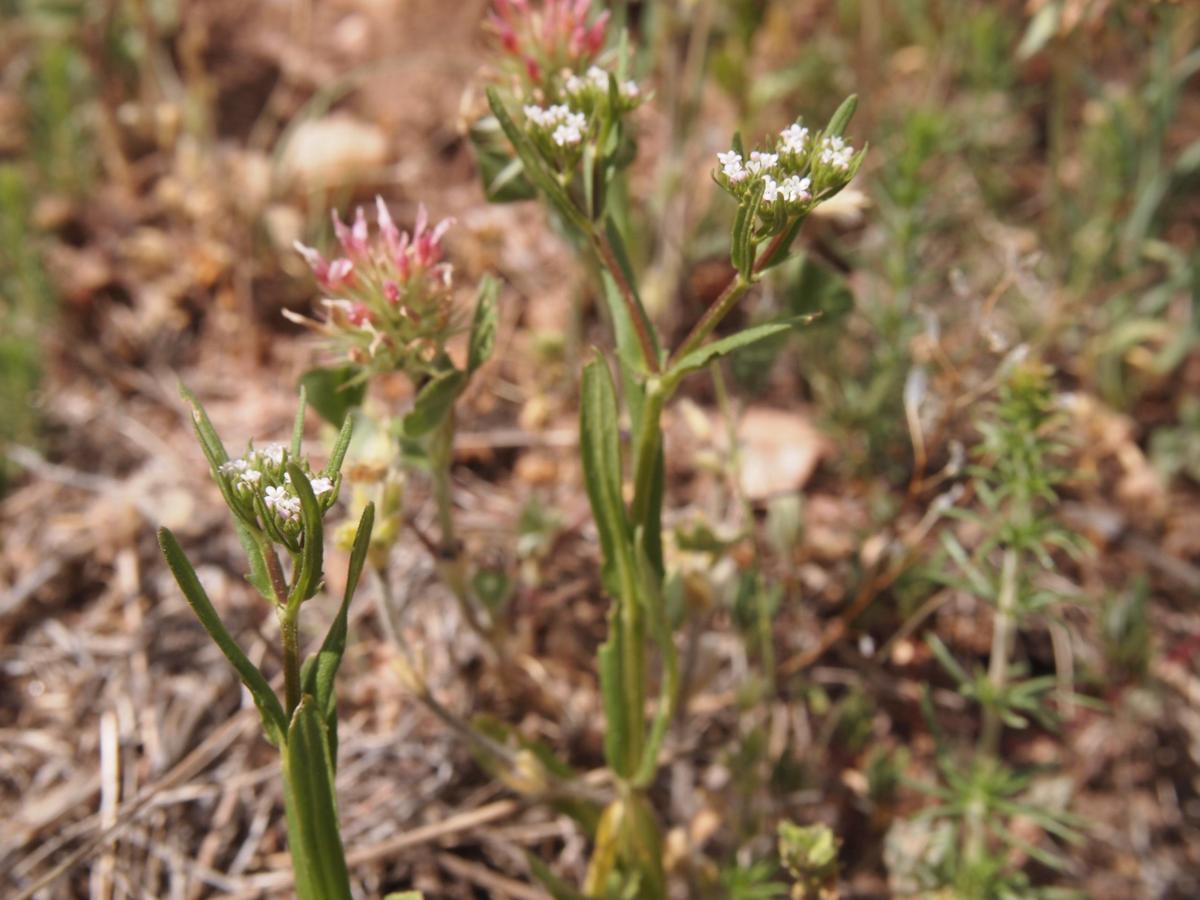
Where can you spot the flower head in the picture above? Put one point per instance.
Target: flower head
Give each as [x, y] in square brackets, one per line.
[544, 38]
[396, 313]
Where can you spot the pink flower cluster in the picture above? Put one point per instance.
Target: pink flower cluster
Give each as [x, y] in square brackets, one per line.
[407, 256]
[554, 36]
[389, 295]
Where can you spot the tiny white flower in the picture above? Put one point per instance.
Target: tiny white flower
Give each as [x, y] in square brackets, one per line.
[288, 508]
[732, 166]
[570, 130]
[250, 477]
[770, 189]
[795, 138]
[598, 77]
[631, 90]
[761, 162]
[574, 85]
[276, 498]
[836, 152]
[233, 467]
[795, 189]
[322, 486]
[273, 453]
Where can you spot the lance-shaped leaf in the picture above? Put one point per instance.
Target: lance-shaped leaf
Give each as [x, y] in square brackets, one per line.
[600, 450]
[483, 324]
[273, 718]
[257, 576]
[434, 402]
[651, 598]
[215, 453]
[612, 688]
[298, 423]
[842, 116]
[315, 842]
[741, 248]
[308, 579]
[321, 669]
[702, 356]
[340, 446]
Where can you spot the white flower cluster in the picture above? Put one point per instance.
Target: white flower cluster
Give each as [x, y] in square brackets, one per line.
[247, 475]
[788, 173]
[283, 504]
[597, 78]
[794, 139]
[565, 126]
[836, 152]
[792, 189]
[732, 166]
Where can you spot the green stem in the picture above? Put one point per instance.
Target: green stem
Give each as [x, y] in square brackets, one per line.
[992, 729]
[649, 442]
[737, 286]
[998, 665]
[637, 315]
[290, 635]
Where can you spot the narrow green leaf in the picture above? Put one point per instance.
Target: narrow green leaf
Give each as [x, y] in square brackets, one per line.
[737, 246]
[308, 580]
[334, 392]
[313, 834]
[434, 402]
[616, 737]
[742, 251]
[257, 576]
[298, 423]
[946, 658]
[322, 668]
[340, 446]
[600, 450]
[274, 720]
[842, 116]
[701, 357]
[210, 442]
[651, 598]
[483, 324]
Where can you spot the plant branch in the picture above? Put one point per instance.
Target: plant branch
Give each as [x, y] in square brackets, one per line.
[637, 315]
[733, 291]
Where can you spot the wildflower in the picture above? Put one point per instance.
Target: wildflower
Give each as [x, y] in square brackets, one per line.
[543, 39]
[795, 189]
[321, 486]
[249, 478]
[770, 190]
[276, 499]
[794, 138]
[761, 162]
[273, 453]
[571, 131]
[403, 302]
[233, 467]
[565, 126]
[732, 166]
[836, 152]
[330, 274]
